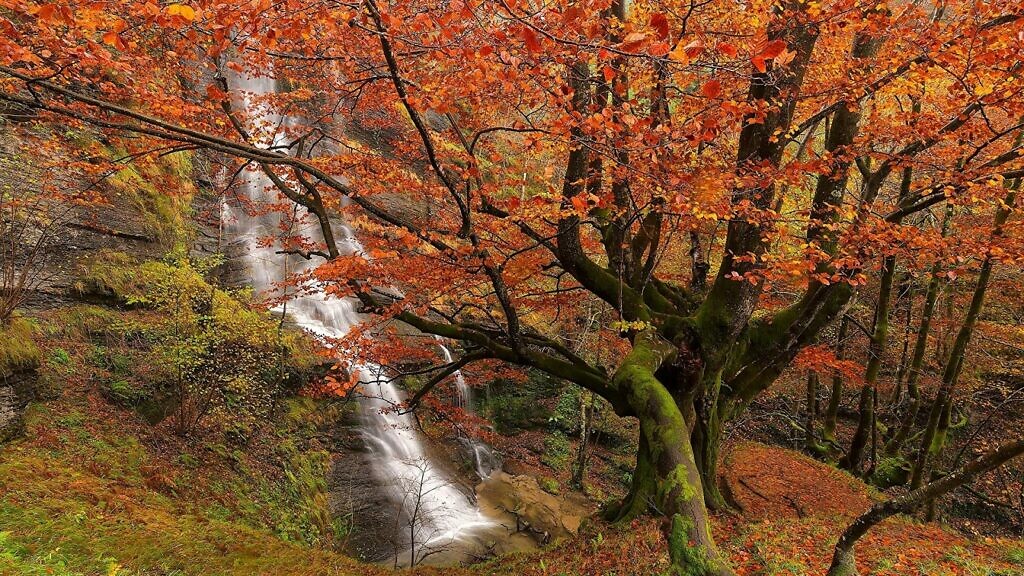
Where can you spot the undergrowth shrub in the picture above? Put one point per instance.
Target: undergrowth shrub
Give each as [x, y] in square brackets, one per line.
[210, 351]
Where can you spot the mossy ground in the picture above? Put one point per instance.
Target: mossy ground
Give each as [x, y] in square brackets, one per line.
[17, 347]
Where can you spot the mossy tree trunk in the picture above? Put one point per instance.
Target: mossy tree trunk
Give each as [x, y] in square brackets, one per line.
[876, 349]
[811, 415]
[934, 436]
[835, 399]
[673, 481]
[895, 444]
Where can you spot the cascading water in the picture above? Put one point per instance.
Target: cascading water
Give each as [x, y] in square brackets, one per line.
[434, 513]
[484, 460]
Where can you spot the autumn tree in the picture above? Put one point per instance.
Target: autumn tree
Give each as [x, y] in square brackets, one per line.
[720, 177]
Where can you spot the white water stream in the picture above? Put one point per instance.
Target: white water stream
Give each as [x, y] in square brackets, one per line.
[437, 514]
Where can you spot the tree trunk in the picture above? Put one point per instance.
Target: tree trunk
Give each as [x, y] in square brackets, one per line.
[892, 448]
[810, 440]
[677, 480]
[828, 430]
[876, 349]
[934, 437]
[706, 439]
[579, 472]
[844, 559]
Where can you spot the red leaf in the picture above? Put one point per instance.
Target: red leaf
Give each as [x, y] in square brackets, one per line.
[693, 49]
[659, 49]
[633, 41]
[660, 24]
[531, 40]
[579, 203]
[608, 72]
[727, 49]
[773, 49]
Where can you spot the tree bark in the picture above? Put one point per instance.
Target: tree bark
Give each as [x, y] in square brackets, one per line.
[895, 444]
[828, 430]
[579, 472]
[810, 438]
[876, 349]
[934, 436]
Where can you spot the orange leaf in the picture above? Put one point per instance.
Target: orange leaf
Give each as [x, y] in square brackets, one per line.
[727, 49]
[633, 41]
[185, 11]
[711, 89]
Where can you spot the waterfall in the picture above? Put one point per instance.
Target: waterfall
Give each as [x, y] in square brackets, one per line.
[484, 460]
[434, 512]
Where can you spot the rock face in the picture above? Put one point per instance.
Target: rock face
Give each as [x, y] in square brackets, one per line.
[544, 514]
[355, 496]
[16, 390]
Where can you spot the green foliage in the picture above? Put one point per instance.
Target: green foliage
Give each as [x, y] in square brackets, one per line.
[566, 416]
[1015, 555]
[18, 351]
[59, 357]
[516, 406]
[214, 352]
[84, 322]
[892, 471]
[557, 451]
[549, 485]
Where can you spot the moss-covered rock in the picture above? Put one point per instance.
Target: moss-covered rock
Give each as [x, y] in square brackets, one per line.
[19, 360]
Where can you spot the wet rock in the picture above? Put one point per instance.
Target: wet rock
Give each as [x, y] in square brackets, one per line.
[544, 514]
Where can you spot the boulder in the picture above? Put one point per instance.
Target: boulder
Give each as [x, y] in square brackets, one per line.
[545, 514]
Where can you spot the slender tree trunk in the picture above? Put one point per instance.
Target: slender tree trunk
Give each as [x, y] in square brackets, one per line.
[828, 431]
[905, 296]
[876, 349]
[934, 436]
[844, 560]
[583, 453]
[895, 444]
[810, 439]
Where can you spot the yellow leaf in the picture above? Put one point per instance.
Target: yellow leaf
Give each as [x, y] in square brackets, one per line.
[183, 10]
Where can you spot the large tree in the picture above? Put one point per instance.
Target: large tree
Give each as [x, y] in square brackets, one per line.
[717, 175]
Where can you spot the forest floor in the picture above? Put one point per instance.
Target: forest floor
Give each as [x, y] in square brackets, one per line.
[94, 490]
[88, 493]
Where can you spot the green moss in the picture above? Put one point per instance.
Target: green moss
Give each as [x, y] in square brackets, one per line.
[688, 559]
[18, 350]
[162, 191]
[549, 485]
[891, 471]
[84, 322]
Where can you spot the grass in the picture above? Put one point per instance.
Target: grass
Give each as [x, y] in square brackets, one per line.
[18, 351]
[103, 503]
